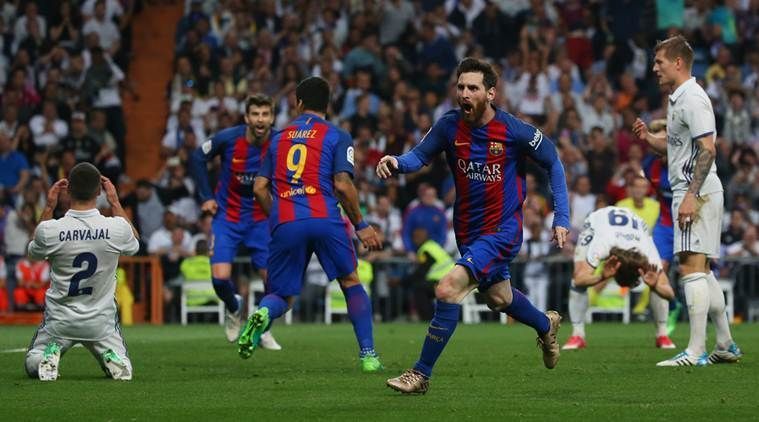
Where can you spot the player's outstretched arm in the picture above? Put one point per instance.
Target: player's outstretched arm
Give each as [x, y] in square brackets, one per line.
[432, 144]
[658, 142]
[544, 152]
[199, 172]
[113, 199]
[262, 192]
[386, 166]
[52, 198]
[346, 193]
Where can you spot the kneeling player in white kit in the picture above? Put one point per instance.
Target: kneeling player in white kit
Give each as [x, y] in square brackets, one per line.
[83, 248]
[615, 244]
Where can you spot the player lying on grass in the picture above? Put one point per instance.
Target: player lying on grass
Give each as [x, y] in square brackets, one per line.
[615, 244]
[83, 248]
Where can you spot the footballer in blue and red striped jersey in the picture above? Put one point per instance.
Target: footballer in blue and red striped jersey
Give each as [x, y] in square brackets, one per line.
[664, 238]
[486, 149]
[307, 172]
[238, 218]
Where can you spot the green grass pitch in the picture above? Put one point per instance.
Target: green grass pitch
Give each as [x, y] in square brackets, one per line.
[488, 371]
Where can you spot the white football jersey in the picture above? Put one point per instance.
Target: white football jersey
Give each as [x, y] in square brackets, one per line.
[689, 116]
[610, 227]
[83, 248]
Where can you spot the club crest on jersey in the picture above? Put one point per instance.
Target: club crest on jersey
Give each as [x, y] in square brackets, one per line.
[495, 148]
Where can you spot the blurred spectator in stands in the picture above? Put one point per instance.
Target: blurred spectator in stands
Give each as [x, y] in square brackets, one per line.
[66, 25]
[101, 24]
[176, 138]
[596, 113]
[735, 228]
[177, 190]
[601, 159]
[428, 214]
[73, 77]
[30, 23]
[737, 125]
[19, 226]
[47, 128]
[14, 168]
[204, 229]
[171, 243]
[397, 15]
[10, 122]
[101, 90]
[33, 279]
[582, 202]
[639, 203]
[744, 177]
[536, 246]
[748, 246]
[389, 222]
[145, 205]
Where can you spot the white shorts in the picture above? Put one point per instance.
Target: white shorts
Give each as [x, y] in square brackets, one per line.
[42, 337]
[703, 234]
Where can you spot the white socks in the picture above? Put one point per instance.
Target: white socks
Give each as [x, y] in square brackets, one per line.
[578, 307]
[696, 289]
[717, 312]
[660, 310]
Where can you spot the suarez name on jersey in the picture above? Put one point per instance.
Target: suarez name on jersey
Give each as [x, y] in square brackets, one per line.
[301, 162]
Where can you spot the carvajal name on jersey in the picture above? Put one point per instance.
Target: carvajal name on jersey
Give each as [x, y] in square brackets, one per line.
[84, 234]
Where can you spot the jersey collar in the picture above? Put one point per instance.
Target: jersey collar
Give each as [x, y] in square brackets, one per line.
[85, 213]
[680, 89]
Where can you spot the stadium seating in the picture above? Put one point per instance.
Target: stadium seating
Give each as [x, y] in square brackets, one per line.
[185, 309]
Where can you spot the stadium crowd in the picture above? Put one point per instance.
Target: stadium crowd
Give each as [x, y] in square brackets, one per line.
[63, 67]
[580, 70]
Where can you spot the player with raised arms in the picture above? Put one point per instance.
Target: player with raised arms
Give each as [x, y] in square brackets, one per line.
[689, 143]
[614, 243]
[237, 217]
[83, 248]
[307, 171]
[486, 149]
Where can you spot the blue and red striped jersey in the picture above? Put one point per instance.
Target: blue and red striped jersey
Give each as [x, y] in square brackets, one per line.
[301, 162]
[240, 162]
[657, 172]
[487, 163]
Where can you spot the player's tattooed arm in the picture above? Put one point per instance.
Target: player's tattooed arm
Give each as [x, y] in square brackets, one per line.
[707, 152]
[262, 192]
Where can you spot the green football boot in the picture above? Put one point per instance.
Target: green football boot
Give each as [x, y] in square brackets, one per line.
[250, 336]
[370, 363]
[47, 369]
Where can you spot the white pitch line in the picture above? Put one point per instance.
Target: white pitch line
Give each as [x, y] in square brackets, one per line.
[13, 350]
